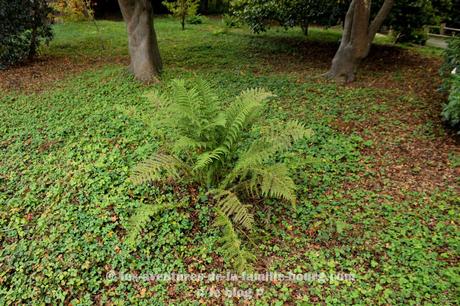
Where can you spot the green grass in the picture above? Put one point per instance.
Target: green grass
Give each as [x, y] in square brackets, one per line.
[66, 153]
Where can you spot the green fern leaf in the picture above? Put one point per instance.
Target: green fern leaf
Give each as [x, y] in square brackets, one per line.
[278, 138]
[158, 167]
[142, 216]
[275, 141]
[206, 159]
[275, 182]
[271, 181]
[231, 245]
[232, 207]
[255, 96]
[246, 106]
[187, 144]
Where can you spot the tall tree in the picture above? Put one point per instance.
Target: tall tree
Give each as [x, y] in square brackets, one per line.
[358, 33]
[146, 62]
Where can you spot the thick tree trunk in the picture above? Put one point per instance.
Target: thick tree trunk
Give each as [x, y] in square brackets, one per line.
[357, 37]
[143, 47]
[344, 65]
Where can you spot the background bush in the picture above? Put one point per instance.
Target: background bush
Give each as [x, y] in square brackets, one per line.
[195, 19]
[73, 10]
[182, 9]
[24, 24]
[230, 21]
[450, 70]
[416, 36]
[451, 58]
[451, 111]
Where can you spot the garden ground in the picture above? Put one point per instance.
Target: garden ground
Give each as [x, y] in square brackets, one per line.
[378, 183]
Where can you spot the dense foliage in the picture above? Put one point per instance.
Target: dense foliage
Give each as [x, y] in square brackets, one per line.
[451, 111]
[453, 17]
[214, 6]
[450, 71]
[258, 14]
[196, 19]
[24, 25]
[73, 10]
[408, 19]
[213, 149]
[451, 58]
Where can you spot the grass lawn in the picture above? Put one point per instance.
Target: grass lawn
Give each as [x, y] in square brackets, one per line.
[377, 183]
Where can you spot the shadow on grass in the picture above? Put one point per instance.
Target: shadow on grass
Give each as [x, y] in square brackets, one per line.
[307, 52]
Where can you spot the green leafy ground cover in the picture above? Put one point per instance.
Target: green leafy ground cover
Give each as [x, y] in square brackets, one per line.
[377, 182]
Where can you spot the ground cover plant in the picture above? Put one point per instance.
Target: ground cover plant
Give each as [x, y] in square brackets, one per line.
[376, 183]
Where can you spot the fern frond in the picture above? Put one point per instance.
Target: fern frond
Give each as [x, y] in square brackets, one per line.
[187, 144]
[142, 216]
[205, 159]
[256, 95]
[237, 123]
[218, 121]
[284, 135]
[158, 167]
[157, 99]
[209, 104]
[232, 249]
[297, 130]
[184, 107]
[232, 207]
[270, 182]
[275, 182]
[195, 112]
[240, 113]
[275, 140]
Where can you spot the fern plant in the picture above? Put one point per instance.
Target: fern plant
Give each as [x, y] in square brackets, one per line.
[212, 148]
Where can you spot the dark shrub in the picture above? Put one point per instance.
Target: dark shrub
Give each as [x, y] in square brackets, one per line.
[24, 24]
[195, 19]
[416, 36]
[451, 58]
[451, 111]
[450, 71]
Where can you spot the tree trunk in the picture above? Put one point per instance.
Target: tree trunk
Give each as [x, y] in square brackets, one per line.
[33, 43]
[33, 35]
[142, 41]
[304, 26]
[357, 37]
[204, 7]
